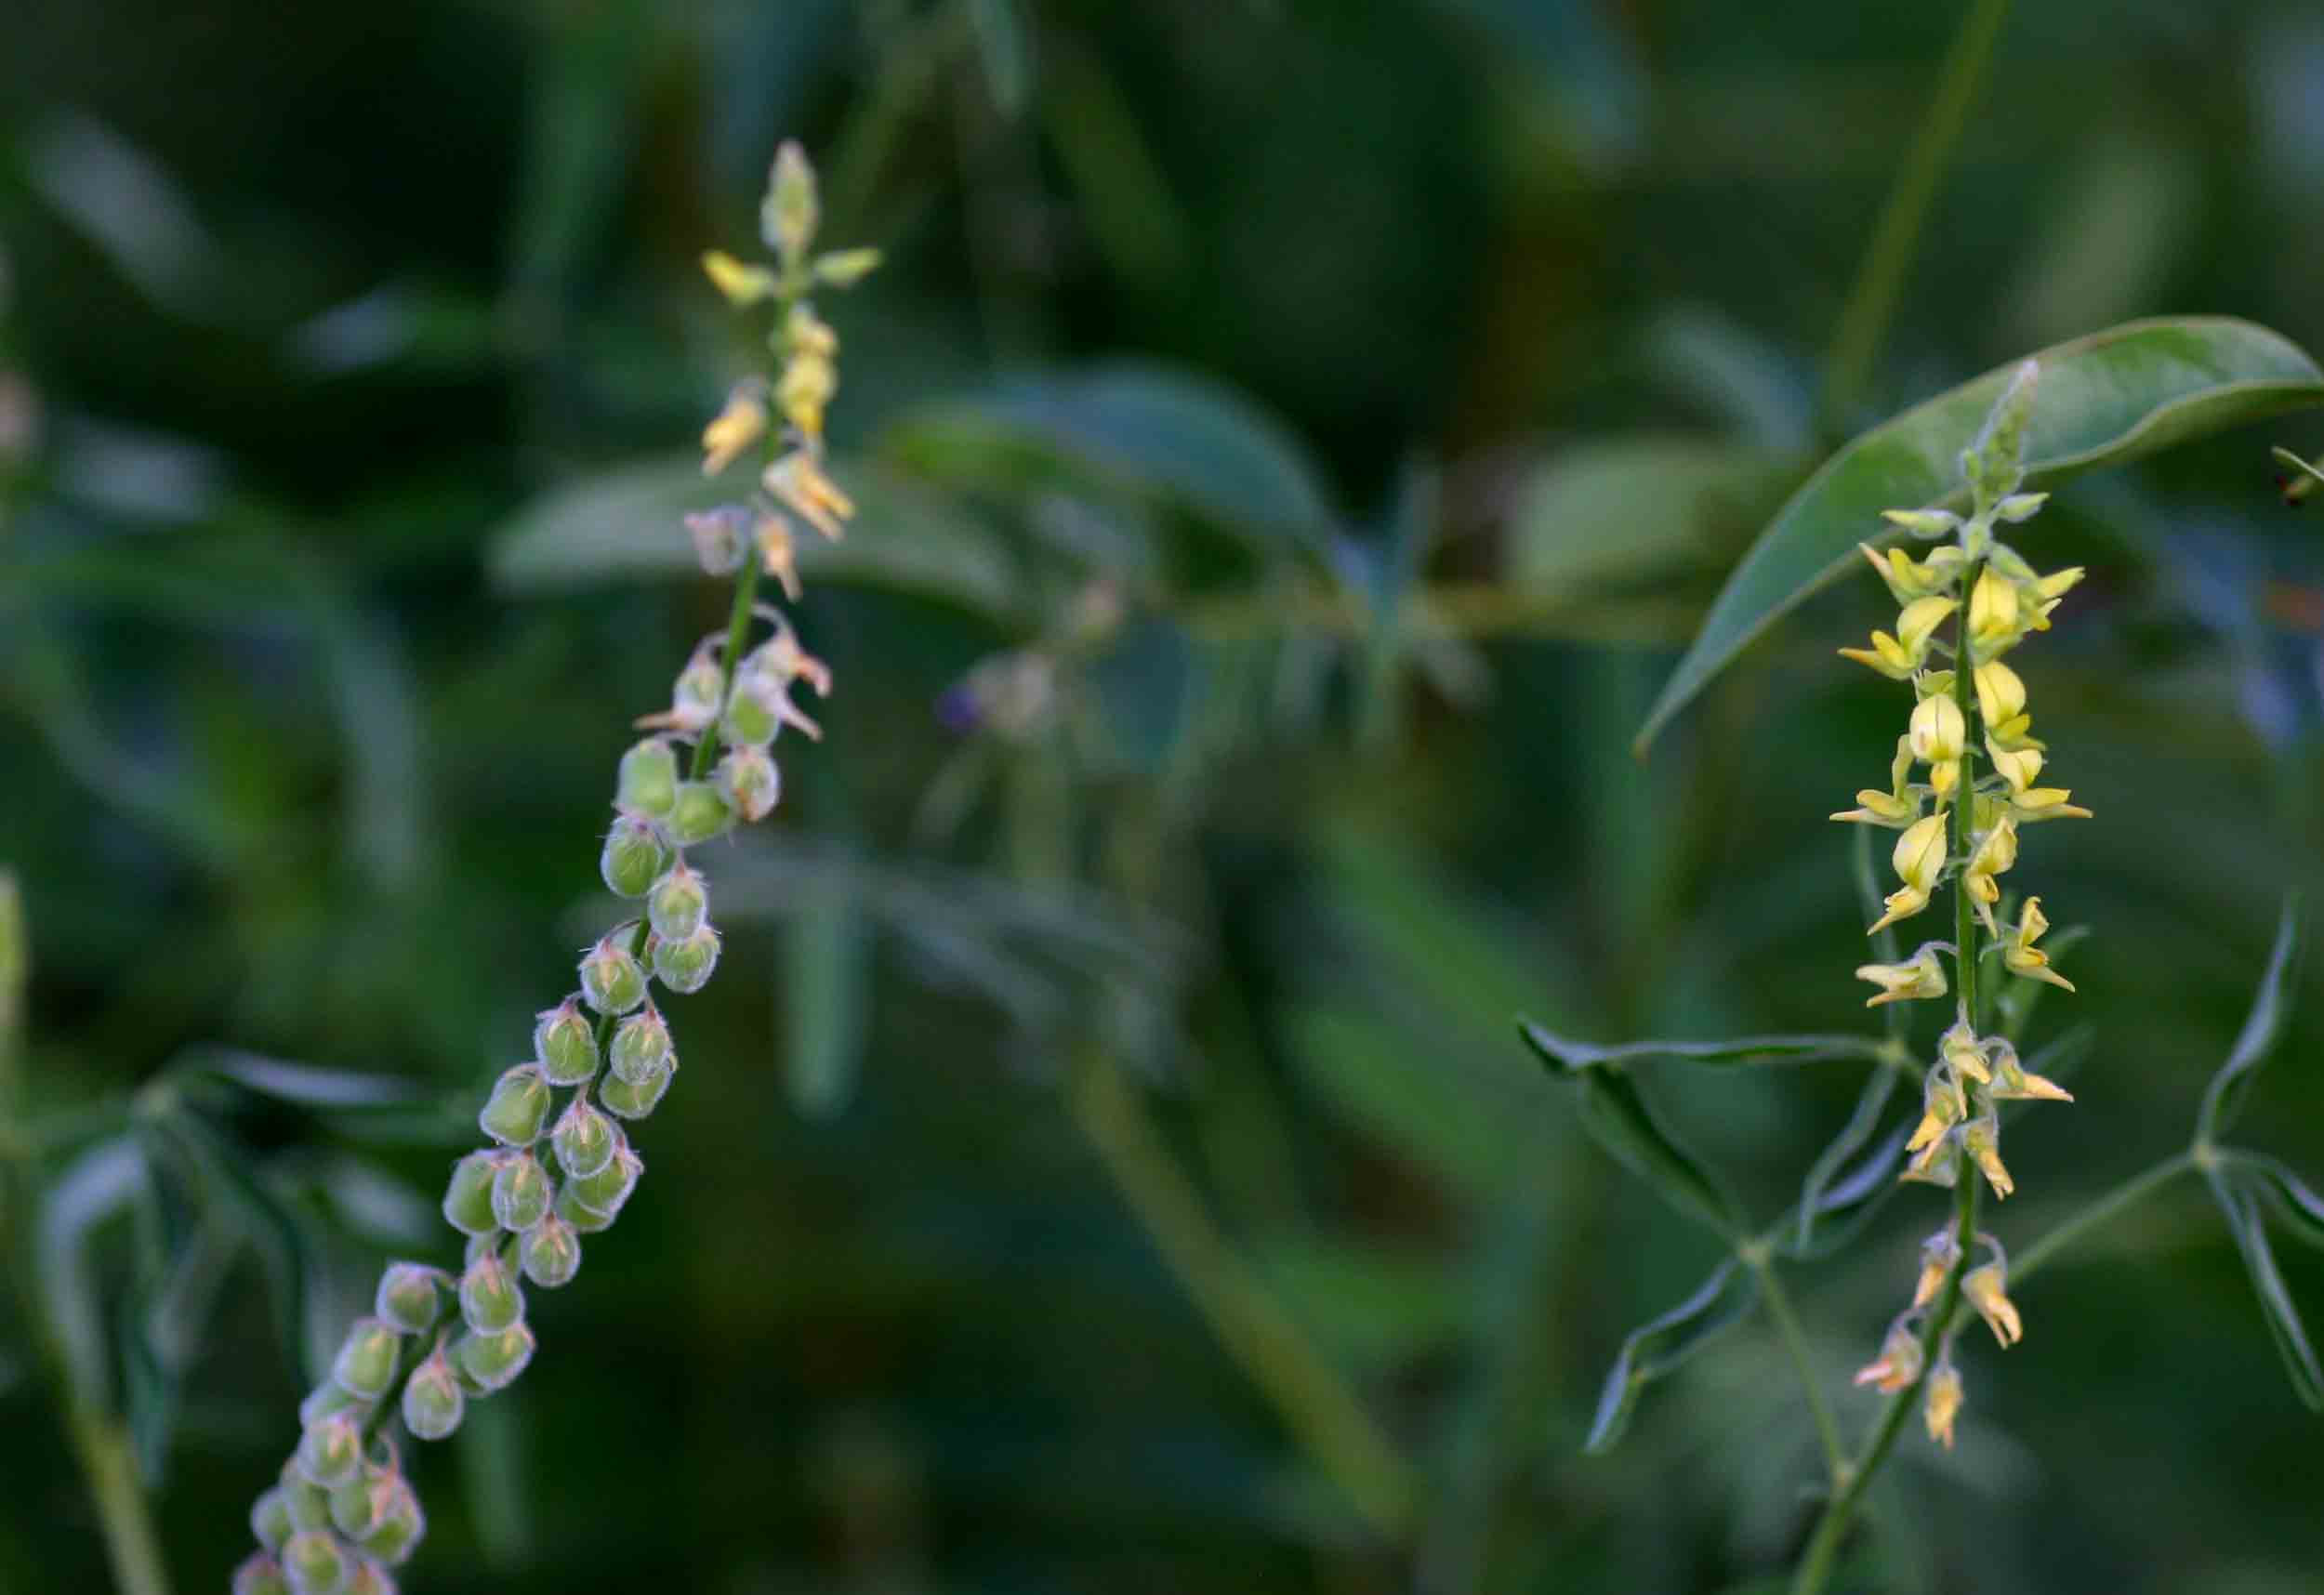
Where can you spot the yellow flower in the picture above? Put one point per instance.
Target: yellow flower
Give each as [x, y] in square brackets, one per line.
[1960, 1047]
[808, 333]
[1907, 579]
[2018, 766]
[1996, 853]
[2037, 803]
[1940, 1111]
[1923, 975]
[797, 482]
[2023, 958]
[2057, 584]
[2000, 696]
[1927, 522]
[1983, 1142]
[2012, 1084]
[1898, 1365]
[1897, 806]
[1937, 731]
[787, 217]
[1919, 858]
[1943, 1404]
[741, 424]
[742, 284]
[1984, 1287]
[1993, 623]
[777, 552]
[809, 379]
[2014, 734]
[1897, 657]
[845, 268]
[1887, 655]
[1938, 1253]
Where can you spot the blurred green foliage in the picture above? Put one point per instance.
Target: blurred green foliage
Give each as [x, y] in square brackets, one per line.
[1404, 377]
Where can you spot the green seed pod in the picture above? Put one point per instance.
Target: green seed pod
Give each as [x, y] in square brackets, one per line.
[564, 1043]
[365, 1365]
[677, 903]
[271, 1518]
[686, 967]
[583, 1139]
[604, 1192]
[747, 778]
[308, 1507]
[492, 1361]
[641, 1048]
[490, 1300]
[694, 696]
[754, 712]
[580, 1218]
[611, 979]
[411, 1296]
[261, 1574]
[635, 1098]
[633, 858]
[432, 1400]
[330, 1451]
[328, 1398]
[648, 778]
[521, 1194]
[550, 1253]
[479, 1246]
[700, 813]
[367, 1577]
[355, 1505]
[315, 1562]
[518, 1107]
[467, 1201]
[398, 1526]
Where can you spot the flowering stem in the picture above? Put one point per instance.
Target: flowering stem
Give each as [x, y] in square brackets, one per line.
[1757, 1255]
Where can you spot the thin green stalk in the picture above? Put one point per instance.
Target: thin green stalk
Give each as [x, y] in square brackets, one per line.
[1758, 1256]
[1873, 299]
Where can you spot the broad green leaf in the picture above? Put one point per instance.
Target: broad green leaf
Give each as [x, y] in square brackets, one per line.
[1570, 1055]
[1618, 1117]
[2104, 400]
[2249, 1230]
[1824, 1179]
[2297, 1204]
[1659, 1345]
[2271, 1009]
[1614, 514]
[628, 525]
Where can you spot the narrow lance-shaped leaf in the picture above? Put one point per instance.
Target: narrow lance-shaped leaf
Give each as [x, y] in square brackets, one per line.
[2103, 400]
[1618, 1117]
[1568, 1056]
[2249, 1230]
[1824, 1175]
[2271, 1008]
[2298, 1206]
[1659, 1345]
[1849, 1200]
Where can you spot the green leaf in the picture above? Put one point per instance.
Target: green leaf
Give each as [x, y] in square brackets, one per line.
[1661, 1345]
[2271, 1008]
[1825, 1192]
[1586, 523]
[286, 1248]
[1569, 1055]
[2275, 1305]
[2298, 1206]
[827, 954]
[1005, 48]
[2106, 399]
[1618, 1117]
[15, 960]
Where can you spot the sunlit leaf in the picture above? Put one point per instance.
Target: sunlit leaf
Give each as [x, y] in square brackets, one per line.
[1659, 1345]
[1618, 1119]
[2271, 1009]
[2104, 400]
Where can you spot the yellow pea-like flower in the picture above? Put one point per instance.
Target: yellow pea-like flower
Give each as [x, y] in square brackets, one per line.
[735, 428]
[2037, 803]
[1923, 975]
[1898, 1366]
[796, 481]
[1993, 612]
[1937, 731]
[742, 284]
[2000, 696]
[1918, 858]
[1943, 1404]
[1985, 1289]
[1938, 1253]
[1960, 1047]
[1995, 854]
[2012, 1083]
[1983, 1142]
[2018, 766]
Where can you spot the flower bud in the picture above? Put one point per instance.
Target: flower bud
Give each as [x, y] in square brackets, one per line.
[490, 1299]
[433, 1403]
[604, 1192]
[2001, 695]
[579, 1219]
[330, 1451]
[696, 695]
[494, 1360]
[356, 1505]
[677, 904]
[685, 967]
[633, 858]
[1944, 1398]
[754, 711]
[315, 1562]
[467, 1201]
[584, 1141]
[398, 1526]
[365, 1365]
[308, 1507]
[328, 1398]
[367, 1577]
[748, 779]
[648, 778]
[611, 979]
[518, 1107]
[521, 1194]
[1938, 731]
[786, 219]
[720, 536]
[261, 1574]
[634, 1099]
[550, 1253]
[700, 813]
[408, 1298]
[641, 1048]
[845, 268]
[564, 1043]
[271, 1518]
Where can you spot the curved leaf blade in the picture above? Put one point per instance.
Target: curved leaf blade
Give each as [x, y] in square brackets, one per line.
[1661, 1345]
[1618, 1119]
[1569, 1055]
[2271, 1009]
[1826, 1191]
[2298, 1206]
[2250, 1232]
[2104, 400]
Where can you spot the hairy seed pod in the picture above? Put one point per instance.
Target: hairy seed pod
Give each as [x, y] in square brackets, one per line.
[367, 1577]
[315, 1562]
[579, 1217]
[611, 979]
[605, 1191]
[694, 696]
[398, 1526]
[754, 711]
[583, 1139]
[635, 1098]
[686, 967]
[493, 1362]
[677, 904]
[641, 1046]
[330, 1451]
[432, 1401]
[564, 1043]
[648, 778]
[308, 1507]
[490, 1300]
[261, 1574]
[633, 858]
[411, 1296]
[700, 813]
[521, 1194]
[468, 1200]
[550, 1253]
[356, 1504]
[748, 779]
[271, 1518]
[365, 1365]
[518, 1107]
[479, 1246]
[328, 1398]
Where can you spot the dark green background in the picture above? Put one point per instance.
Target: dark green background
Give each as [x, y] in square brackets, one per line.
[306, 306]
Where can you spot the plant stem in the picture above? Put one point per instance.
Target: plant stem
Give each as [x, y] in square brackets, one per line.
[1757, 1254]
[110, 1464]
